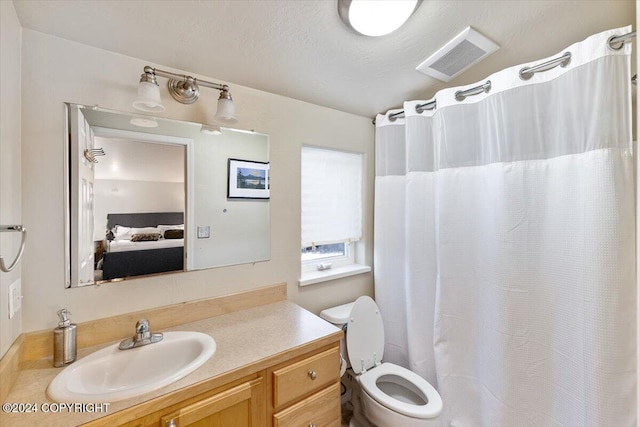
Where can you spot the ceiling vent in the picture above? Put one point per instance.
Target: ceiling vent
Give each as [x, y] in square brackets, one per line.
[466, 49]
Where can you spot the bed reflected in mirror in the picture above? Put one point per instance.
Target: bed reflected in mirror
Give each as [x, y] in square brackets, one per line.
[147, 243]
[146, 180]
[155, 200]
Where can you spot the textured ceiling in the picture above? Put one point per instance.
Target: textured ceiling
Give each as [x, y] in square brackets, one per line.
[124, 158]
[301, 49]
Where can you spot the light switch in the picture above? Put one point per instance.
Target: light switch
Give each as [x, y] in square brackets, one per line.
[15, 298]
[203, 232]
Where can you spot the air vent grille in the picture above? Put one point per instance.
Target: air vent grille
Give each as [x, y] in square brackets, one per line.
[466, 49]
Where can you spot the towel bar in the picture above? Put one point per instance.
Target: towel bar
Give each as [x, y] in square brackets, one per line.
[14, 228]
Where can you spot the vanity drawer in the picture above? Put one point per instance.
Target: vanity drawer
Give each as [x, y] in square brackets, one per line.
[320, 410]
[306, 376]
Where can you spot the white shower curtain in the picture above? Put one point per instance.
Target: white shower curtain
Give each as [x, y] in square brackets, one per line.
[504, 244]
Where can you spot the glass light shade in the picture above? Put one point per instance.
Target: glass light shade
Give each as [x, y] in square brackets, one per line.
[226, 111]
[148, 98]
[144, 122]
[379, 17]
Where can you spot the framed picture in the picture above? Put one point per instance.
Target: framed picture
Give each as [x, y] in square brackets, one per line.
[247, 179]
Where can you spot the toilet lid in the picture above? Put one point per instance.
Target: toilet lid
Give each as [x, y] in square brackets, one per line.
[365, 335]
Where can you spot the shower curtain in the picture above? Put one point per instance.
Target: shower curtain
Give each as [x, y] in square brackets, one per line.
[504, 244]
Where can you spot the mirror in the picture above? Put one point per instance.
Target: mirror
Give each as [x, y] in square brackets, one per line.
[150, 196]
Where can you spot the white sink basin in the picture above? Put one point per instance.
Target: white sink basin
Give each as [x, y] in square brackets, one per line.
[111, 374]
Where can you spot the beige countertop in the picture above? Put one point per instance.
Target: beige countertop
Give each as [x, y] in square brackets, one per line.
[243, 338]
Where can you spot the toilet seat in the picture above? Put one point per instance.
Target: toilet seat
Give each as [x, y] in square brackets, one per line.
[365, 345]
[369, 383]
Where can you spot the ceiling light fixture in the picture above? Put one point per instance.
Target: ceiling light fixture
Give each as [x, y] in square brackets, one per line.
[183, 89]
[376, 17]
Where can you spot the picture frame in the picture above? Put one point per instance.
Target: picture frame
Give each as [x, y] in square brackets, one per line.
[247, 179]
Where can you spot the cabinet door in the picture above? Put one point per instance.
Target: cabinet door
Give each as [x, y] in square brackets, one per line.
[236, 407]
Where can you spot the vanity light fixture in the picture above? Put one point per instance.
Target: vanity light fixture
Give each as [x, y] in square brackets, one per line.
[148, 95]
[184, 89]
[376, 17]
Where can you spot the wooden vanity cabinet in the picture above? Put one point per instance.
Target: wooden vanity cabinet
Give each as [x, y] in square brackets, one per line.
[238, 405]
[306, 391]
[300, 392]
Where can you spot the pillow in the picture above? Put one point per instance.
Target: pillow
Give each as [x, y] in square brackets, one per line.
[145, 237]
[164, 228]
[174, 234]
[121, 233]
[125, 233]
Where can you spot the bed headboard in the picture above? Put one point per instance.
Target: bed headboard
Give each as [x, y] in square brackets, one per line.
[150, 219]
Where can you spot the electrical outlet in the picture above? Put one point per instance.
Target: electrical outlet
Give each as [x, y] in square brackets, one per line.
[15, 298]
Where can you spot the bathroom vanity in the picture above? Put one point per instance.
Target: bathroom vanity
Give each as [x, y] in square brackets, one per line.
[301, 391]
[275, 364]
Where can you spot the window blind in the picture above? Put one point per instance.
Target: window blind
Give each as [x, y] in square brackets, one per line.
[331, 196]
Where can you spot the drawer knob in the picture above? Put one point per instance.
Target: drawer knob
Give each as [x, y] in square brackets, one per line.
[312, 425]
[312, 374]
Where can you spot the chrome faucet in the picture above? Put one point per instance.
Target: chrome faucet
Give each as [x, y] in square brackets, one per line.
[142, 337]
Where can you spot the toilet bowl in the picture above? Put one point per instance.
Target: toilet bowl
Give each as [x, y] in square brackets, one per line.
[393, 395]
[389, 395]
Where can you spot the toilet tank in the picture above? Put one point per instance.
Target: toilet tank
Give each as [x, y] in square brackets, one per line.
[339, 316]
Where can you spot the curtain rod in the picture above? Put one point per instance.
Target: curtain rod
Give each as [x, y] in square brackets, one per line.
[431, 105]
[614, 42]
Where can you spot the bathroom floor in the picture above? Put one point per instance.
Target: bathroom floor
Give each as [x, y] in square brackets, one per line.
[347, 413]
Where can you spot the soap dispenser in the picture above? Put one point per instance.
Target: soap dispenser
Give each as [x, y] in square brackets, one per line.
[64, 340]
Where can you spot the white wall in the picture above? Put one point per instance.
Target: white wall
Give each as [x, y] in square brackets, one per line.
[637, 126]
[10, 182]
[82, 74]
[125, 196]
[239, 228]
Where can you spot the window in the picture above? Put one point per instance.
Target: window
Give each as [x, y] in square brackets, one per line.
[331, 209]
[320, 252]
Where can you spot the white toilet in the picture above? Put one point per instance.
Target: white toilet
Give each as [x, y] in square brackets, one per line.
[389, 395]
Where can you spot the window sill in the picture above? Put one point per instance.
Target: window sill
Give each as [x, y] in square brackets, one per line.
[313, 277]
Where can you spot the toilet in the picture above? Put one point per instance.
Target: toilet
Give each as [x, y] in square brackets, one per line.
[387, 395]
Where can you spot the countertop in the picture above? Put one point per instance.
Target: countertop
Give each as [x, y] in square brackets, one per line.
[243, 338]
